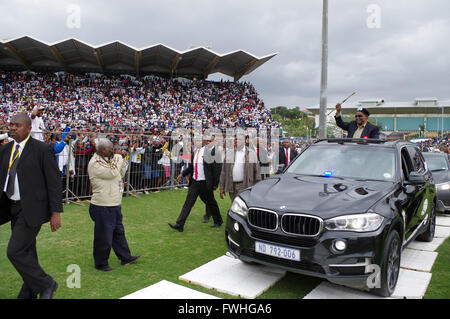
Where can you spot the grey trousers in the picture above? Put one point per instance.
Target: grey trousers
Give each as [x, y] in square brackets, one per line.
[237, 188]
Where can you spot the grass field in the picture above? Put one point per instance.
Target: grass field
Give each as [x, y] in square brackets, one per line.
[166, 254]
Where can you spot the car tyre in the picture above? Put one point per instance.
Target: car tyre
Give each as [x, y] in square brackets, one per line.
[390, 268]
[428, 235]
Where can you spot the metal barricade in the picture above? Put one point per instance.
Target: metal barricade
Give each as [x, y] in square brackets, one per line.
[151, 166]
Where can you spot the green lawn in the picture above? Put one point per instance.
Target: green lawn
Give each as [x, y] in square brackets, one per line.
[439, 287]
[166, 254]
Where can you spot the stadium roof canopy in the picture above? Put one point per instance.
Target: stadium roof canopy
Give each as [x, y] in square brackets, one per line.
[72, 55]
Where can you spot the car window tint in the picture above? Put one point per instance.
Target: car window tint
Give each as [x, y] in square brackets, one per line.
[346, 161]
[416, 159]
[436, 163]
[407, 166]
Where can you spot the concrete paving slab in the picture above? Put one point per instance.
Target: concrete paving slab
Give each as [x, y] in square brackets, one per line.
[168, 290]
[443, 221]
[327, 290]
[231, 276]
[442, 232]
[431, 246]
[418, 259]
[411, 285]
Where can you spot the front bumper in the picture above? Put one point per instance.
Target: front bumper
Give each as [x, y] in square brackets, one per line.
[318, 257]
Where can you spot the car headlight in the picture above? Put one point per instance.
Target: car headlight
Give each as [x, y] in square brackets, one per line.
[443, 186]
[359, 223]
[239, 207]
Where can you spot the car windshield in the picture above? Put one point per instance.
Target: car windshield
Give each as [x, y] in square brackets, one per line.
[349, 161]
[436, 163]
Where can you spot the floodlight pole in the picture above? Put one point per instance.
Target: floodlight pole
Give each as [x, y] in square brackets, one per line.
[324, 74]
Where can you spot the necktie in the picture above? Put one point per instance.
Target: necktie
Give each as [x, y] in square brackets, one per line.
[12, 172]
[287, 157]
[196, 165]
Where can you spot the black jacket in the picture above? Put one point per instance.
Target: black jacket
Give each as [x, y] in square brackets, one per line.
[370, 130]
[211, 168]
[282, 155]
[39, 182]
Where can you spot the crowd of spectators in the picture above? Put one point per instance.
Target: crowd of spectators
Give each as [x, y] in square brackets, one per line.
[124, 104]
[436, 144]
[71, 112]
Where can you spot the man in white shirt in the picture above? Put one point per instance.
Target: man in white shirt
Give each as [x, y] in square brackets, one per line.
[240, 170]
[37, 123]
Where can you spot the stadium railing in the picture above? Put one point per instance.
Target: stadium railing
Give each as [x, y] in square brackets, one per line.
[151, 165]
[154, 161]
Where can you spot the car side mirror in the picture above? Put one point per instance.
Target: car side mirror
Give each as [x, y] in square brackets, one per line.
[280, 168]
[416, 178]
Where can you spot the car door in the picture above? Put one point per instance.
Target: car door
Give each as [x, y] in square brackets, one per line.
[419, 204]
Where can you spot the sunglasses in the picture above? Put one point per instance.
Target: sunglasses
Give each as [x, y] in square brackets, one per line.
[358, 115]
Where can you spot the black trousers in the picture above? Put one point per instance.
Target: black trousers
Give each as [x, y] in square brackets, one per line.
[197, 189]
[109, 232]
[22, 252]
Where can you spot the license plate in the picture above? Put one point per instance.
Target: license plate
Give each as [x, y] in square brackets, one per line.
[277, 251]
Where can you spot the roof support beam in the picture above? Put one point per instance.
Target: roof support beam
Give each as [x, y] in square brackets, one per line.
[244, 69]
[18, 55]
[59, 57]
[210, 66]
[175, 62]
[98, 56]
[137, 62]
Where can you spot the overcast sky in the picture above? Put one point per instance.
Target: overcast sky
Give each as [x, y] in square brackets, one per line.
[394, 50]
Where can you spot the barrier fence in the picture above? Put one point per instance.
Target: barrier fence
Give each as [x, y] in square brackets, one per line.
[154, 161]
[150, 168]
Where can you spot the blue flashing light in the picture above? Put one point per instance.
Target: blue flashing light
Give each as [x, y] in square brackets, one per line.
[327, 173]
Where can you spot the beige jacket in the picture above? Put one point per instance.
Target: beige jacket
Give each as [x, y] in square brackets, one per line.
[106, 180]
[252, 170]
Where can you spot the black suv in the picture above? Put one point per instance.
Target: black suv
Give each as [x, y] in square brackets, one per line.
[343, 210]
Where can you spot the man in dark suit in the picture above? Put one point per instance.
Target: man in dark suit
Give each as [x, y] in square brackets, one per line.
[204, 179]
[286, 154]
[31, 196]
[360, 127]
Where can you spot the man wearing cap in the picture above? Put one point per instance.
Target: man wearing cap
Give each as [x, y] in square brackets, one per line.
[360, 127]
[37, 123]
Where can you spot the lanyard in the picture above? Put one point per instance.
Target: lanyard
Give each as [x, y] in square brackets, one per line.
[17, 155]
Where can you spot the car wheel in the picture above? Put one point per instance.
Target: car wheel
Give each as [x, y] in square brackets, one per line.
[390, 267]
[428, 235]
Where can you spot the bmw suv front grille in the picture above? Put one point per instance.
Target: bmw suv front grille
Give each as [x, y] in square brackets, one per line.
[262, 218]
[297, 224]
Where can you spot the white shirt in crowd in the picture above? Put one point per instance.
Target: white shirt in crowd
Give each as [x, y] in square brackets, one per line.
[198, 165]
[135, 154]
[238, 167]
[37, 125]
[63, 159]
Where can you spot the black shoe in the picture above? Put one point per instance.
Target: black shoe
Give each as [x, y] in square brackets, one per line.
[26, 293]
[206, 219]
[177, 227]
[48, 293]
[131, 260]
[104, 268]
[216, 225]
